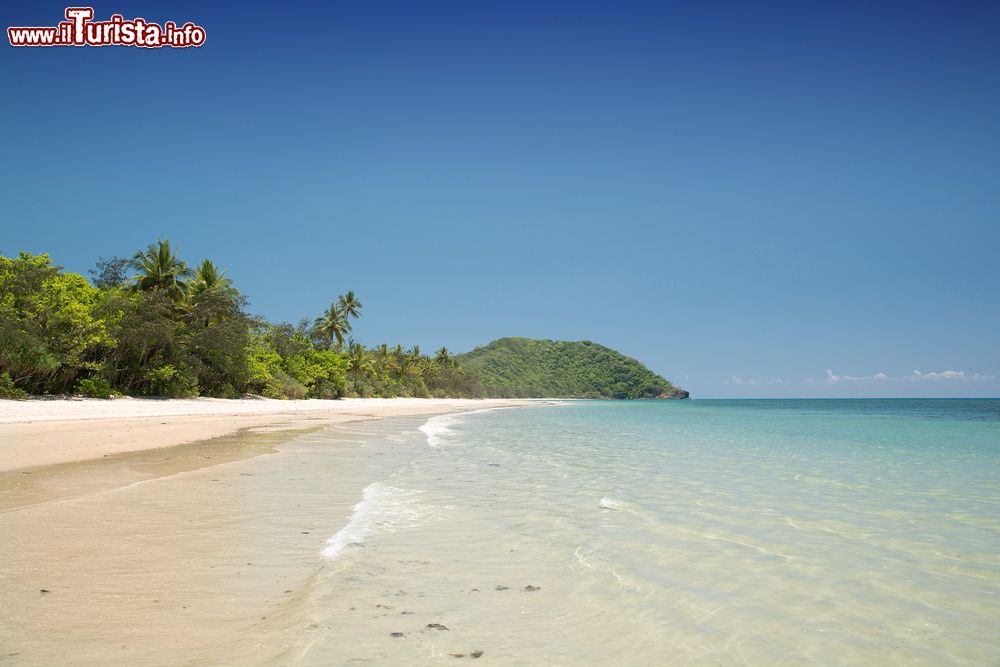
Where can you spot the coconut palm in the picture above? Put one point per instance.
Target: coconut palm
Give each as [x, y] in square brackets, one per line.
[332, 325]
[443, 357]
[410, 367]
[349, 305]
[207, 277]
[360, 363]
[159, 267]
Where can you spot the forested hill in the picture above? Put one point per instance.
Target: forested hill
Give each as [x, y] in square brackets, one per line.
[526, 367]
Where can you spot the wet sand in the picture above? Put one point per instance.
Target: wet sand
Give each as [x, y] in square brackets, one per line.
[118, 550]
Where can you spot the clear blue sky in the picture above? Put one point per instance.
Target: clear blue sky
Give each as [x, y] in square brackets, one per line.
[742, 195]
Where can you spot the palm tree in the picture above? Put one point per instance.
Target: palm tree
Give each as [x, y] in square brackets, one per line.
[207, 277]
[385, 363]
[410, 367]
[349, 305]
[443, 357]
[332, 325]
[359, 362]
[160, 268]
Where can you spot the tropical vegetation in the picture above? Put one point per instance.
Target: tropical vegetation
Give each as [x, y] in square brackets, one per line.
[153, 325]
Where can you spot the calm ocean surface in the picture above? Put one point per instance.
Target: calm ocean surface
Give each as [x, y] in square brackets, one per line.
[702, 532]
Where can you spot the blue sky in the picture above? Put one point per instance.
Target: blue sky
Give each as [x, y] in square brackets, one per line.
[770, 199]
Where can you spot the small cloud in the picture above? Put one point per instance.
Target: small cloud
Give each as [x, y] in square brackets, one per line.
[735, 379]
[943, 375]
[916, 376]
[833, 378]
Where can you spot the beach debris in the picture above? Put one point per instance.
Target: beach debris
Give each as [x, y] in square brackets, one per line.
[502, 588]
[405, 612]
[44, 590]
[476, 654]
[457, 655]
[397, 634]
[437, 626]
[531, 589]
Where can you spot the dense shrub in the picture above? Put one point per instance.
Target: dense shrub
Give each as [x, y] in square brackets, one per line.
[95, 388]
[7, 388]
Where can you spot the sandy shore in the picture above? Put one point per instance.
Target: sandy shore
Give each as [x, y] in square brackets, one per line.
[163, 532]
[43, 432]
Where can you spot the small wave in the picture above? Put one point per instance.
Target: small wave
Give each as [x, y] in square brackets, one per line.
[618, 505]
[438, 428]
[383, 508]
[610, 503]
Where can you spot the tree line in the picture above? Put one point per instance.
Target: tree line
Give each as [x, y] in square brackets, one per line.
[151, 325]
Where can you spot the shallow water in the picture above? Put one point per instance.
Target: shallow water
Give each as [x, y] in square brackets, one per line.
[701, 532]
[706, 532]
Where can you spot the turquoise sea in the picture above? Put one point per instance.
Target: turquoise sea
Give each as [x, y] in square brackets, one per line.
[705, 532]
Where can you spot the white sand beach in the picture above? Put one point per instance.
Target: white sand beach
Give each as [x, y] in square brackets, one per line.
[41, 432]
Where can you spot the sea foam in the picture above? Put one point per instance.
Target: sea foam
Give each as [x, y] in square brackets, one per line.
[437, 429]
[383, 508]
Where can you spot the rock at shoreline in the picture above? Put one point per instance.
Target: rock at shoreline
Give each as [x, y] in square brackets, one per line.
[674, 394]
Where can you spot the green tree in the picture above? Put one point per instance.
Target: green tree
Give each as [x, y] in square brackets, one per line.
[332, 325]
[207, 278]
[49, 330]
[361, 366]
[109, 273]
[349, 305]
[159, 267]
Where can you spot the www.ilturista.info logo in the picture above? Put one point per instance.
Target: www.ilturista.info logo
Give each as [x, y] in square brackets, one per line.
[79, 29]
